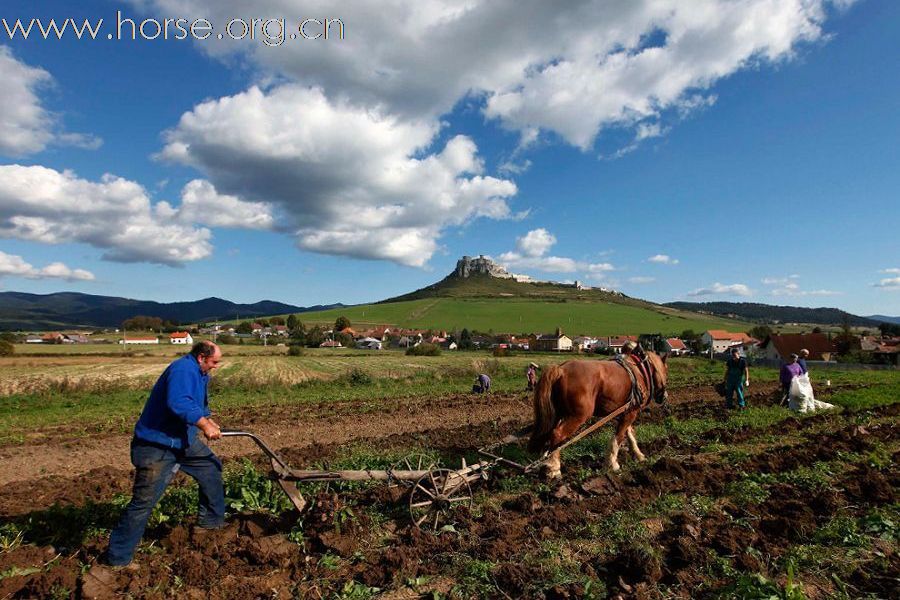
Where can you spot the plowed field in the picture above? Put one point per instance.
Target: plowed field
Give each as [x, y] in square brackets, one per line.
[754, 504]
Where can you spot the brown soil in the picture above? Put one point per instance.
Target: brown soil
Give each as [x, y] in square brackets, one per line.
[253, 558]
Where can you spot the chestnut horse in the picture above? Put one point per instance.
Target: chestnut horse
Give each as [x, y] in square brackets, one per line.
[568, 394]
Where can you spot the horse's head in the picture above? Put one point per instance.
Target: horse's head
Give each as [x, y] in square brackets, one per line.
[661, 376]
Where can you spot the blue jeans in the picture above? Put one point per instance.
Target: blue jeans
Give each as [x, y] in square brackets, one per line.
[155, 467]
[733, 387]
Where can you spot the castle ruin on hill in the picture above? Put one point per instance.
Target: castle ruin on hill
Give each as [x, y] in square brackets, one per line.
[468, 266]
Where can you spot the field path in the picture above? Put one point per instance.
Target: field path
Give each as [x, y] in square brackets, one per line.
[282, 427]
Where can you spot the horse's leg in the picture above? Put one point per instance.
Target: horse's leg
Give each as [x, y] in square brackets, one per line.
[563, 430]
[633, 441]
[617, 440]
[553, 465]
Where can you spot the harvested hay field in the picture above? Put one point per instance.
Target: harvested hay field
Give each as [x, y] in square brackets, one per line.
[753, 504]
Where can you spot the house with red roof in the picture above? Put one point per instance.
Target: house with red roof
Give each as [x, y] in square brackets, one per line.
[181, 337]
[614, 343]
[719, 340]
[674, 346]
[781, 346]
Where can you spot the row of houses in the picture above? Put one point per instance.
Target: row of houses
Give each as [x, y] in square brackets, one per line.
[55, 337]
[177, 338]
[256, 329]
[780, 346]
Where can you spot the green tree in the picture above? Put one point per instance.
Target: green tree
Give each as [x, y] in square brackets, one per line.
[276, 321]
[465, 340]
[244, 327]
[888, 329]
[315, 337]
[142, 323]
[298, 333]
[292, 321]
[6, 348]
[341, 323]
[760, 332]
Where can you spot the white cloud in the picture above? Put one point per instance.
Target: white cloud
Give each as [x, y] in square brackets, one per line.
[663, 259]
[535, 242]
[14, 265]
[734, 289]
[794, 290]
[891, 271]
[571, 68]
[201, 204]
[548, 264]
[531, 250]
[43, 205]
[778, 280]
[640, 280]
[788, 286]
[889, 283]
[26, 126]
[344, 179]
[511, 167]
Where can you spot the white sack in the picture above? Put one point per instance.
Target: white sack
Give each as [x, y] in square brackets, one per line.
[802, 398]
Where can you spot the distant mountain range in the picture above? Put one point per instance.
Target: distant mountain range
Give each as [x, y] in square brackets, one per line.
[885, 319]
[766, 313]
[69, 309]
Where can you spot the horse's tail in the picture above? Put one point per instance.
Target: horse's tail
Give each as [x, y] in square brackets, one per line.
[544, 413]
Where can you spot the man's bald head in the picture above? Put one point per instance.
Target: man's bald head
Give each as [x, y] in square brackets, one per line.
[207, 354]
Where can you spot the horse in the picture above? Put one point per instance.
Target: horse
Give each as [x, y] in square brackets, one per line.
[568, 394]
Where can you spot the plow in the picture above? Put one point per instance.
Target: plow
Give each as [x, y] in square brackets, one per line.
[432, 493]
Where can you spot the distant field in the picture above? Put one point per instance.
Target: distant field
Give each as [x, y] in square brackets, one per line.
[83, 389]
[514, 315]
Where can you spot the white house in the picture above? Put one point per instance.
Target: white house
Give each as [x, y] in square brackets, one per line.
[675, 347]
[549, 342]
[584, 342]
[614, 343]
[181, 337]
[719, 340]
[368, 343]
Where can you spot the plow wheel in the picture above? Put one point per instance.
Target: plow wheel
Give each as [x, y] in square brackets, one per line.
[413, 462]
[435, 496]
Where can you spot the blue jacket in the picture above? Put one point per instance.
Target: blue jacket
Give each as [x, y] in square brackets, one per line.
[176, 403]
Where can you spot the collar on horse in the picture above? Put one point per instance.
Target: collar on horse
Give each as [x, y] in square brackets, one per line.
[637, 364]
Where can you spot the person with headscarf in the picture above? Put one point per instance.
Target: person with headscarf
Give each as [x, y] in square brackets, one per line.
[789, 370]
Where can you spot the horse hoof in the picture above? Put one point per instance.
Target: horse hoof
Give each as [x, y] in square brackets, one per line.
[550, 474]
[614, 467]
[641, 457]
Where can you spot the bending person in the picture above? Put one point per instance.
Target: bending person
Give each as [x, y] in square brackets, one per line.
[166, 441]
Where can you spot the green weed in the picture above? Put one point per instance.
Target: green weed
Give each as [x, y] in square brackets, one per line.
[747, 491]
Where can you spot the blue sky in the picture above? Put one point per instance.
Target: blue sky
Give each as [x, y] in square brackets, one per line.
[703, 151]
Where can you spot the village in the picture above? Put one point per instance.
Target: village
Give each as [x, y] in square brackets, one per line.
[773, 348]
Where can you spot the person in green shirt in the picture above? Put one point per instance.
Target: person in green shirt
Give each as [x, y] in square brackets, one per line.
[737, 377]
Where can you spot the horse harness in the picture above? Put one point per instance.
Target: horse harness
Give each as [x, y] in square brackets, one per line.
[639, 366]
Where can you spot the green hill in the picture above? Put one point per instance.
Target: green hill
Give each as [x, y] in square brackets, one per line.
[480, 295]
[525, 315]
